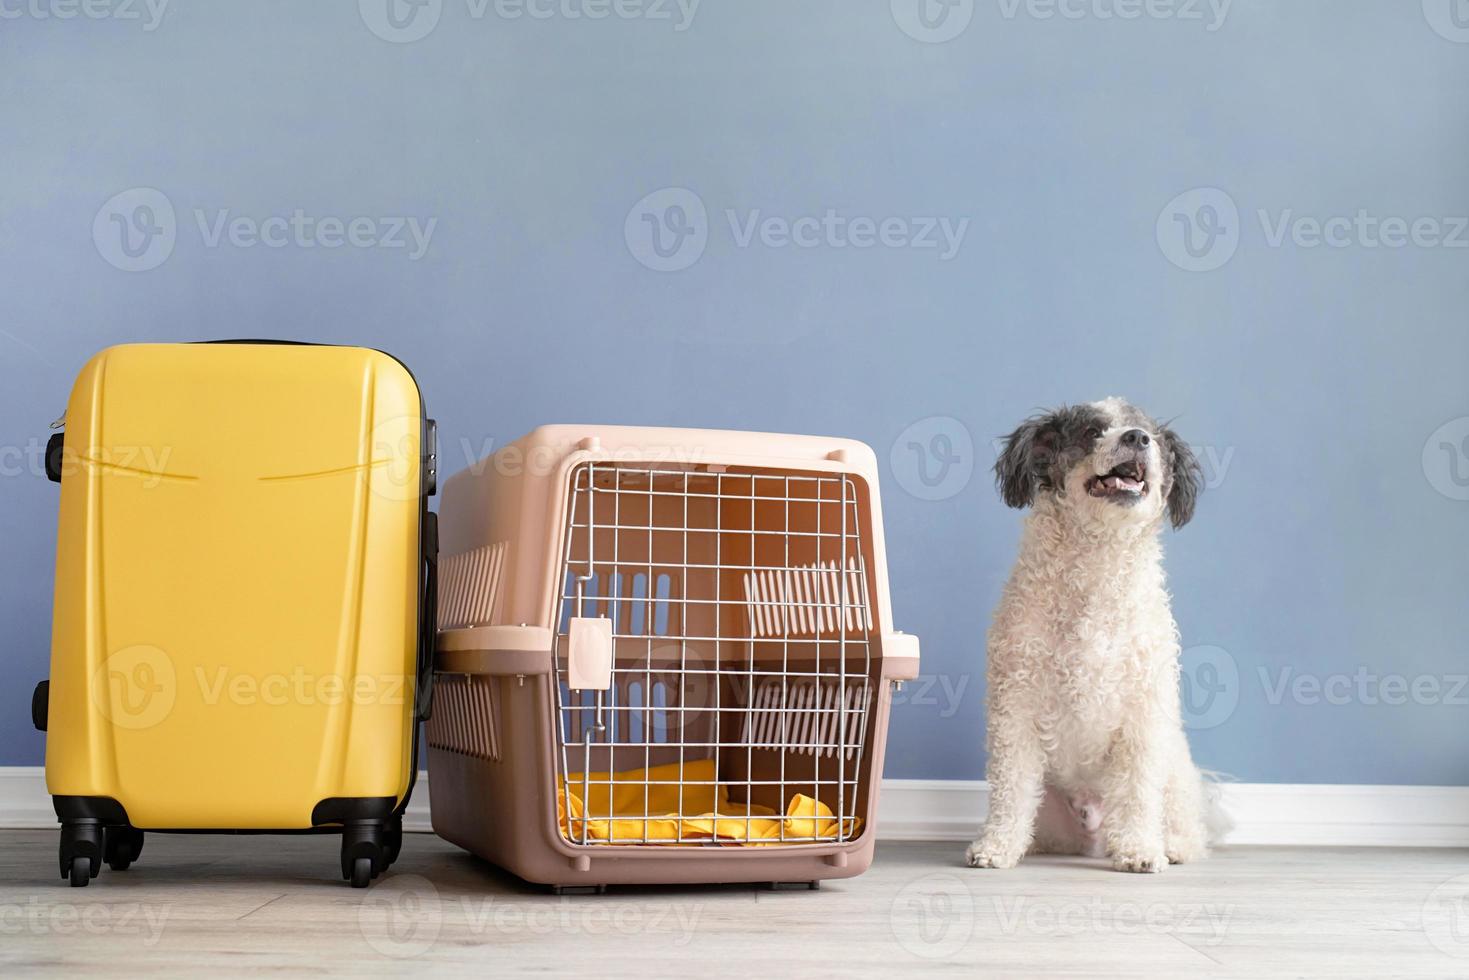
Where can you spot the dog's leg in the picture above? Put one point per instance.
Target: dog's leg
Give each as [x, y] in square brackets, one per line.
[1183, 809]
[1133, 795]
[1016, 774]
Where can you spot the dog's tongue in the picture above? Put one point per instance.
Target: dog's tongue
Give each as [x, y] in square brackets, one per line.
[1123, 483]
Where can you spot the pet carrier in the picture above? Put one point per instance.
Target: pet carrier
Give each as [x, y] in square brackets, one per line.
[662, 657]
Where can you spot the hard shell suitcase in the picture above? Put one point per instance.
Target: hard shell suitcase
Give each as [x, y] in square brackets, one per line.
[245, 576]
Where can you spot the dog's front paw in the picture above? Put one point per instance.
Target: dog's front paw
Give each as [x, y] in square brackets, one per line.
[1139, 861]
[985, 853]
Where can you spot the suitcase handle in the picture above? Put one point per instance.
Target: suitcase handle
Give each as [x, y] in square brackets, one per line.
[41, 705]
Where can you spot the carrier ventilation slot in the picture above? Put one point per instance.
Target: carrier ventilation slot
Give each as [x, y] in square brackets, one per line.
[807, 717]
[808, 601]
[465, 718]
[469, 587]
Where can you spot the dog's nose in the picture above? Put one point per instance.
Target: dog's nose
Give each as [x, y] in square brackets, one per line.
[1136, 437]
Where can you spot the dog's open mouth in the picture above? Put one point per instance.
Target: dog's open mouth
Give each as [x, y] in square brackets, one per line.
[1125, 482]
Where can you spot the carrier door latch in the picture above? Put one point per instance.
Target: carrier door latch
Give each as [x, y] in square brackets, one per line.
[589, 654]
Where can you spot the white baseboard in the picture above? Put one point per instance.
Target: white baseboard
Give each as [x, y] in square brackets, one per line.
[950, 810]
[1263, 813]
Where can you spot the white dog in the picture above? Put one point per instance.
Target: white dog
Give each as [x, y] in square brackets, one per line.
[1083, 654]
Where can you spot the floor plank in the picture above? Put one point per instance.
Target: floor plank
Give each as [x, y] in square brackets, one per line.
[196, 904]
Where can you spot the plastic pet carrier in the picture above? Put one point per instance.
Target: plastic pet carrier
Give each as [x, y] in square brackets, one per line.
[663, 657]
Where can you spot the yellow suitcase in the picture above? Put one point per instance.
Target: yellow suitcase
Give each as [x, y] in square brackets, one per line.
[245, 575]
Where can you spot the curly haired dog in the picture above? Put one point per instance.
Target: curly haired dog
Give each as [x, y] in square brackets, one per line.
[1087, 753]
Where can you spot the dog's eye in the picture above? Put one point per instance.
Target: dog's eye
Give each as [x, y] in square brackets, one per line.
[1092, 432]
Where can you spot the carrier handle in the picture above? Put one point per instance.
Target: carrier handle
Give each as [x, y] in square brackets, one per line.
[428, 617]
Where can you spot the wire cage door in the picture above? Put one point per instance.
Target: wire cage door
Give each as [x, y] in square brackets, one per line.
[737, 638]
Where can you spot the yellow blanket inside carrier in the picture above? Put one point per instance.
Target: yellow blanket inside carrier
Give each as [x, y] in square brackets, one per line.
[684, 803]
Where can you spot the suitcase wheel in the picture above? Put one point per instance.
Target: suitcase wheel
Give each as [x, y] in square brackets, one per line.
[123, 846]
[81, 852]
[393, 842]
[365, 852]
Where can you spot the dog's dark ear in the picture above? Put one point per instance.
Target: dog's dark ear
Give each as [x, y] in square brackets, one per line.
[1021, 470]
[1187, 479]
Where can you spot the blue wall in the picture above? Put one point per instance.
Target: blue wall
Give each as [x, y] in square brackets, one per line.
[1333, 543]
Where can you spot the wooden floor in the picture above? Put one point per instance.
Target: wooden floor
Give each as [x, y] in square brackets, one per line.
[198, 905]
